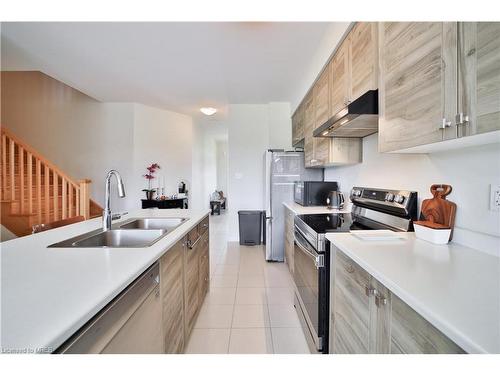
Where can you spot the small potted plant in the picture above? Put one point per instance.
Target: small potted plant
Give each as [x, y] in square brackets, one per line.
[150, 176]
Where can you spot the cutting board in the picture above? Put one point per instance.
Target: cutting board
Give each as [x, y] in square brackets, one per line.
[438, 212]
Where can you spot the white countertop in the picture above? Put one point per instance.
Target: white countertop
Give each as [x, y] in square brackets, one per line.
[455, 288]
[310, 210]
[49, 293]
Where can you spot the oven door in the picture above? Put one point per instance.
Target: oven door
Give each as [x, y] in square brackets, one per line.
[310, 277]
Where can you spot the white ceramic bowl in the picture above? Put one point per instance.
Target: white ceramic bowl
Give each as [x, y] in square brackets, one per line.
[435, 236]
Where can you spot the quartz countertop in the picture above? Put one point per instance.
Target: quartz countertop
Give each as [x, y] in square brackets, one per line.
[310, 210]
[49, 293]
[454, 287]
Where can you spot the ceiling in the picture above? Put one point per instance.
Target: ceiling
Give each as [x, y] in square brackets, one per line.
[176, 66]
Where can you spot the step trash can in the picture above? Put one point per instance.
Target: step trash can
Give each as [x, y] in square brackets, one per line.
[250, 227]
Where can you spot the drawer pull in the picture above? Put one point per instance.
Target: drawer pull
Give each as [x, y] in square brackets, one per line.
[369, 291]
[349, 268]
[380, 300]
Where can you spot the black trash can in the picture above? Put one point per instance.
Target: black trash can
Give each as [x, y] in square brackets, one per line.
[250, 227]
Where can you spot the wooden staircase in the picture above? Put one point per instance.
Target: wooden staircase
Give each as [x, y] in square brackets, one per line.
[34, 191]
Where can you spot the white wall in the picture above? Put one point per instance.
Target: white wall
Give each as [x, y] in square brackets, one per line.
[166, 138]
[468, 170]
[252, 129]
[279, 125]
[221, 165]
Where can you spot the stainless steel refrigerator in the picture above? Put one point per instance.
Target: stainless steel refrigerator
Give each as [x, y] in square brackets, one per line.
[282, 169]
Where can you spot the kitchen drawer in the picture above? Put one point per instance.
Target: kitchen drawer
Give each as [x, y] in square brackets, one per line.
[203, 225]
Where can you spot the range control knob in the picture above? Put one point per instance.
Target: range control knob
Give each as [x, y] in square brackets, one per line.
[356, 193]
[389, 197]
[399, 198]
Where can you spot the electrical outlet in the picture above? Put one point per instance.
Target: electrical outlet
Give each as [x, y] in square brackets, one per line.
[494, 197]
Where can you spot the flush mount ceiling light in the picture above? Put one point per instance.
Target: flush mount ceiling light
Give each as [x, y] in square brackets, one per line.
[209, 111]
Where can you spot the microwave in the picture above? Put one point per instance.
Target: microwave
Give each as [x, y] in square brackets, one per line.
[313, 193]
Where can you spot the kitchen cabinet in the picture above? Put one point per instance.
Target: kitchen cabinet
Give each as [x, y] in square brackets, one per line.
[172, 292]
[340, 76]
[191, 280]
[418, 66]
[289, 238]
[369, 318]
[354, 67]
[363, 59]
[439, 81]
[204, 267]
[309, 118]
[412, 334]
[351, 325]
[321, 92]
[478, 78]
[298, 126]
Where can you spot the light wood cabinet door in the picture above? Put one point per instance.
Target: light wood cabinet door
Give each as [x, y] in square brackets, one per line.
[412, 334]
[479, 76]
[172, 292]
[417, 90]
[363, 59]
[351, 324]
[339, 78]
[298, 126]
[204, 267]
[321, 92]
[191, 281]
[308, 130]
[289, 239]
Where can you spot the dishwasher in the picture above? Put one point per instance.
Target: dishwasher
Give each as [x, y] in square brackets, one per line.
[129, 324]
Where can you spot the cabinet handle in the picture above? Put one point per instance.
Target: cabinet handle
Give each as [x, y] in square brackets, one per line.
[461, 119]
[369, 291]
[445, 124]
[380, 300]
[192, 245]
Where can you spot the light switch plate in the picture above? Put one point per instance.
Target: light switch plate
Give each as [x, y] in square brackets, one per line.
[494, 197]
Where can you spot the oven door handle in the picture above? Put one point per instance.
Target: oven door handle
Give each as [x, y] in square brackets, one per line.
[319, 260]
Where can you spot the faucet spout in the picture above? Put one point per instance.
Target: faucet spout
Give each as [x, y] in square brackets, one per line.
[106, 213]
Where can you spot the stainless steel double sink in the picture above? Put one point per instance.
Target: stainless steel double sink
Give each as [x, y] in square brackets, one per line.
[137, 232]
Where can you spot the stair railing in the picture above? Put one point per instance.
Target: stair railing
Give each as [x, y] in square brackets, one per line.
[36, 186]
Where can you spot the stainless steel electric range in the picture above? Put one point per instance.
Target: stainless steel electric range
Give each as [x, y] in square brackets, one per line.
[371, 209]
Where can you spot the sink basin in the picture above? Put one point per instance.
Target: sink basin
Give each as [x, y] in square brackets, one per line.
[154, 223]
[115, 238]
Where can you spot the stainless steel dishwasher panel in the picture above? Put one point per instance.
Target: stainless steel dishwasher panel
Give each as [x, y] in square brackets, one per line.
[129, 324]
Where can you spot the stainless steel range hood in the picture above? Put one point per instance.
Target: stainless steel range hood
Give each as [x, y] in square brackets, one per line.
[359, 119]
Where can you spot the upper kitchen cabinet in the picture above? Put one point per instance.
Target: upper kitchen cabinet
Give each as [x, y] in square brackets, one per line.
[417, 88]
[339, 76]
[363, 59]
[321, 93]
[438, 82]
[479, 78]
[309, 120]
[354, 67]
[298, 126]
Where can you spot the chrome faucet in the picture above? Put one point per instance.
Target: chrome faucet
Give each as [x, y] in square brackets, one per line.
[106, 213]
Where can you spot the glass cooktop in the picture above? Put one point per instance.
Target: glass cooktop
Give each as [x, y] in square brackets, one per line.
[324, 223]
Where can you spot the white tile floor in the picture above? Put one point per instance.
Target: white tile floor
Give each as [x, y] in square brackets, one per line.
[249, 308]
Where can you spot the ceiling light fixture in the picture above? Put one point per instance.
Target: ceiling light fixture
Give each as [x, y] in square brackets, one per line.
[209, 111]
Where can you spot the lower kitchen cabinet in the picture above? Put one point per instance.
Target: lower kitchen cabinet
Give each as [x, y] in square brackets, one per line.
[191, 280]
[172, 292]
[351, 326]
[184, 282]
[204, 267]
[412, 334]
[289, 238]
[368, 318]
